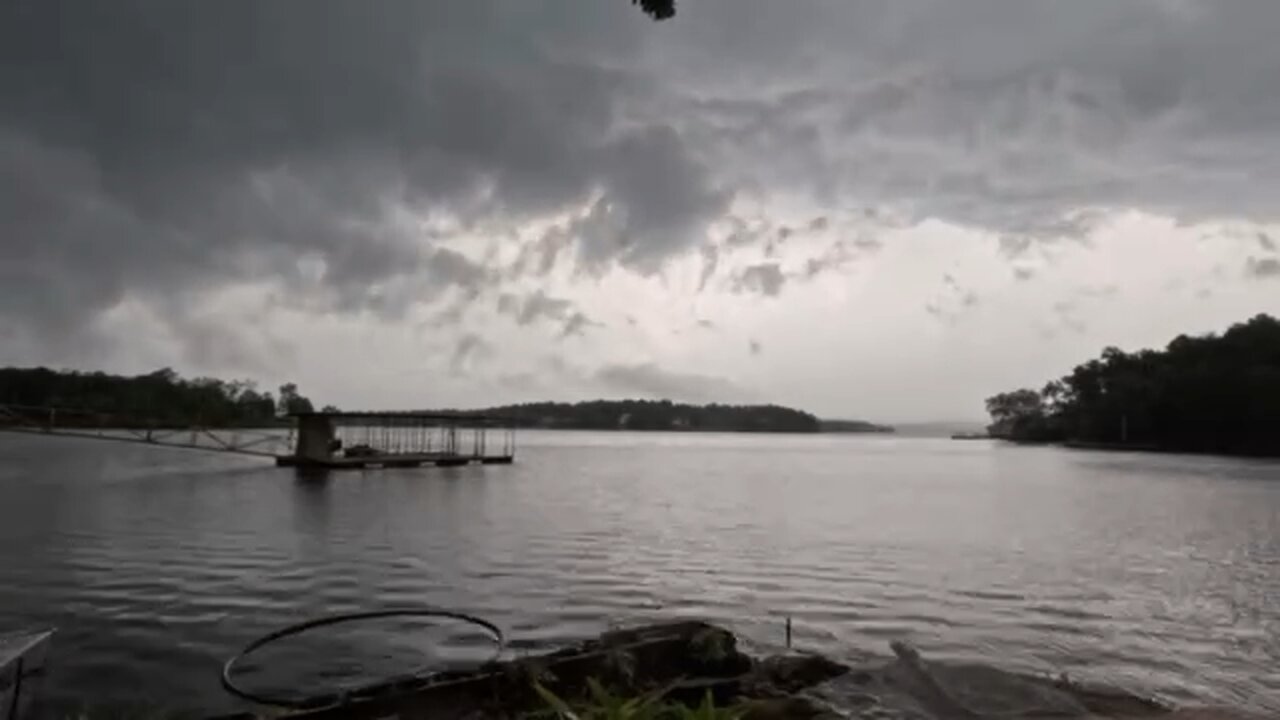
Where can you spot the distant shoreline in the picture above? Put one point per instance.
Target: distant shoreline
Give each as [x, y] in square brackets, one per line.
[647, 415]
[853, 426]
[164, 399]
[1163, 450]
[1140, 448]
[705, 431]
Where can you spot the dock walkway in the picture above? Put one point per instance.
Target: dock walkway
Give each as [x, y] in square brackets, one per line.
[318, 440]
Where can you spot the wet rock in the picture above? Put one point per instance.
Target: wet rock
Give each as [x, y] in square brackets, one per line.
[867, 695]
[787, 708]
[713, 652]
[723, 691]
[786, 674]
[1211, 714]
[911, 688]
[977, 691]
[1109, 702]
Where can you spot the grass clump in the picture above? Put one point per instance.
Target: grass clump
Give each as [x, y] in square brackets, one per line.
[604, 705]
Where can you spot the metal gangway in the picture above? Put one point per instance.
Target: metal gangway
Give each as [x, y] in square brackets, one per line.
[327, 440]
[88, 424]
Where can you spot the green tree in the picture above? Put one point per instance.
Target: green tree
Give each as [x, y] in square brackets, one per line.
[657, 415]
[1215, 393]
[291, 401]
[159, 398]
[657, 9]
[1020, 414]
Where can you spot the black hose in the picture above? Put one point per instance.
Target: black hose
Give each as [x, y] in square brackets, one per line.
[312, 702]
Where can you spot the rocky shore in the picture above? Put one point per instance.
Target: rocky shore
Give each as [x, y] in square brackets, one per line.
[688, 661]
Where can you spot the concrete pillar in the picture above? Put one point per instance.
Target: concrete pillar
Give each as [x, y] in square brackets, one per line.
[315, 433]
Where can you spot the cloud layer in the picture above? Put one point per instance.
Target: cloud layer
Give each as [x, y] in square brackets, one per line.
[158, 149]
[198, 169]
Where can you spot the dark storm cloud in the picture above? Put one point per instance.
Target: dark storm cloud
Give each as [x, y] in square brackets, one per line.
[747, 231]
[535, 306]
[669, 199]
[539, 258]
[576, 324]
[1067, 313]
[210, 342]
[1262, 268]
[1031, 120]
[764, 279]
[1014, 247]
[156, 149]
[710, 260]
[651, 381]
[837, 256]
[953, 302]
[538, 307]
[469, 350]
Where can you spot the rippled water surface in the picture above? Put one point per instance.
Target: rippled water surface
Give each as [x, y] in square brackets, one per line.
[1159, 572]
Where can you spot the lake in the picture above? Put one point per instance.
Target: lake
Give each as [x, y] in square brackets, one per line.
[1157, 572]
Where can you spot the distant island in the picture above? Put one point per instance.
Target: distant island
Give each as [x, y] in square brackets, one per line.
[668, 415]
[654, 415]
[166, 398]
[852, 426]
[1214, 394]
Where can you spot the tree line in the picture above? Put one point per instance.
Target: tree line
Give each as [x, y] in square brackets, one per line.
[163, 397]
[1212, 393]
[656, 415]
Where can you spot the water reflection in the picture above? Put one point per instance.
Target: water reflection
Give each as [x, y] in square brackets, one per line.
[1157, 571]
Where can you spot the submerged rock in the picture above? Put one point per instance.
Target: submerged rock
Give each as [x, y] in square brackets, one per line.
[786, 674]
[910, 687]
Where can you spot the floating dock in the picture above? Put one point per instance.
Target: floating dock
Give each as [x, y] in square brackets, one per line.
[357, 440]
[398, 460]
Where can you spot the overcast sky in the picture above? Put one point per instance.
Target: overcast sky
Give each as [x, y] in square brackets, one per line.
[883, 210]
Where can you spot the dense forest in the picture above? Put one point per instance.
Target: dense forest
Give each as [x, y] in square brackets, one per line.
[160, 398]
[852, 426]
[656, 415]
[164, 398]
[1214, 393]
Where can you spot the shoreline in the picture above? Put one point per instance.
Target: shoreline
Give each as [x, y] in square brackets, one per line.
[671, 667]
[1140, 448]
